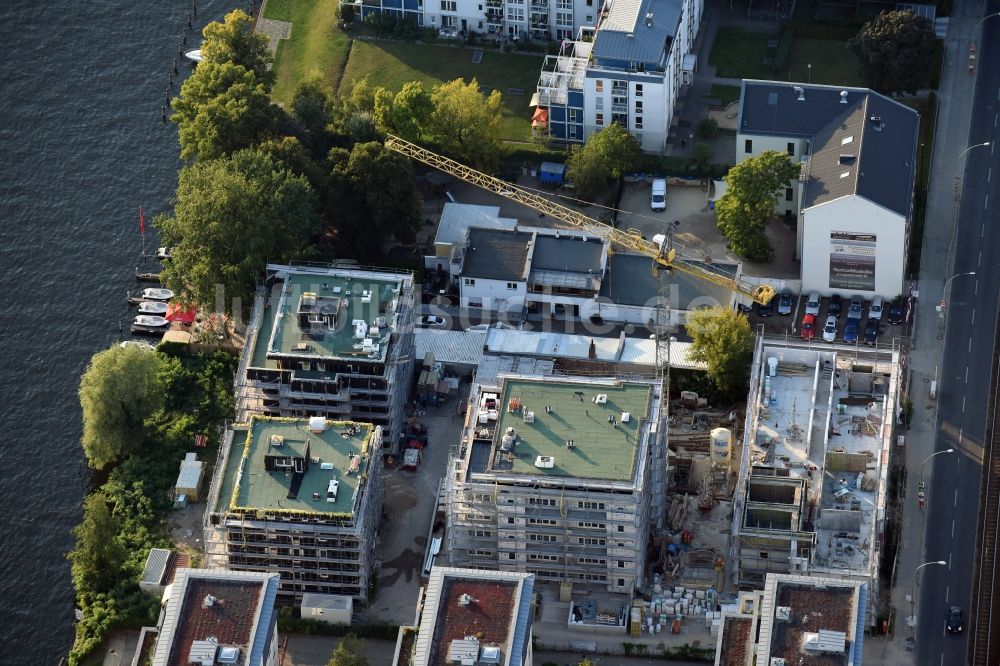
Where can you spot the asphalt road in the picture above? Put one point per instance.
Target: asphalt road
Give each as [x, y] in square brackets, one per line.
[953, 498]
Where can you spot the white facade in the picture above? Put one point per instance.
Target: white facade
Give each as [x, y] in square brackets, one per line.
[852, 245]
[789, 201]
[539, 20]
[493, 295]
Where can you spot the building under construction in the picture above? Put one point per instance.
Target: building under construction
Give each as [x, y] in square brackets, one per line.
[810, 497]
[329, 341]
[300, 497]
[554, 477]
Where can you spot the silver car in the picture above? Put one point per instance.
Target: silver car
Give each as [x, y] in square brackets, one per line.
[830, 329]
[813, 303]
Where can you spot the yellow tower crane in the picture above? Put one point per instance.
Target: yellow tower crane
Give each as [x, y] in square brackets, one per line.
[663, 254]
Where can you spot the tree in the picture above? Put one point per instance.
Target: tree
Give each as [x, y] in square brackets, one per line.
[616, 148]
[118, 391]
[465, 123]
[350, 651]
[313, 106]
[895, 52]
[235, 41]
[721, 339]
[408, 114]
[232, 216]
[222, 108]
[97, 556]
[587, 172]
[743, 211]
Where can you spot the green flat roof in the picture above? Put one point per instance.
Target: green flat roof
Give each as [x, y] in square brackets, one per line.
[341, 294]
[263, 489]
[601, 451]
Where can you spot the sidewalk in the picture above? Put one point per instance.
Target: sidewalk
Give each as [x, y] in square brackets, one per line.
[951, 137]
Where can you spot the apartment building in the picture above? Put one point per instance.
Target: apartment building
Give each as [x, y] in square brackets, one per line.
[334, 342]
[555, 477]
[628, 70]
[301, 498]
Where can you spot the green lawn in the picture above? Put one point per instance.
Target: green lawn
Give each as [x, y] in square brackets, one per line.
[740, 53]
[316, 44]
[391, 64]
[832, 63]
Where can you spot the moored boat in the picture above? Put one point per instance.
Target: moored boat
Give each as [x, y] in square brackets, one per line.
[153, 308]
[157, 294]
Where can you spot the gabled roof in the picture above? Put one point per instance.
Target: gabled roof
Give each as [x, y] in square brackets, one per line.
[496, 254]
[773, 108]
[629, 33]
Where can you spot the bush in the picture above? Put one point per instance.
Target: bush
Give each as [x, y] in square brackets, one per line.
[708, 128]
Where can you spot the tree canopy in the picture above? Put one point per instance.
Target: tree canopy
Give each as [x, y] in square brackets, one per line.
[118, 391]
[895, 52]
[313, 106]
[222, 108]
[234, 41]
[743, 211]
[232, 216]
[609, 153]
[465, 123]
[721, 339]
[97, 556]
[350, 651]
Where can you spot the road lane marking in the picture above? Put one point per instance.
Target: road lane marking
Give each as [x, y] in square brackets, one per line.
[957, 458]
[980, 258]
[973, 316]
[970, 345]
[947, 591]
[975, 287]
[986, 204]
[982, 230]
[963, 411]
[966, 374]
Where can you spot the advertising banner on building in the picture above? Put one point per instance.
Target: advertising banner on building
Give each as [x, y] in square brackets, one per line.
[852, 260]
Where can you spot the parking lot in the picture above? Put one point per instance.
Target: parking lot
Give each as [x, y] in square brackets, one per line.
[790, 324]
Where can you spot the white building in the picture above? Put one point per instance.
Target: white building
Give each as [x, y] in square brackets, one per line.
[453, 228]
[628, 70]
[853, 201]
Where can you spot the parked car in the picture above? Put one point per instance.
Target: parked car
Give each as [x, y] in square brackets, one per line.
[955, 622]
[785, 303]
[856, 308]
[813, 303]
[851, 330]
[658, 196]
[830, 329]
[835, 306]
[896, 312]
[875, 311]
[872, 331]
[808, 328]
[765, 309]
[430, 321]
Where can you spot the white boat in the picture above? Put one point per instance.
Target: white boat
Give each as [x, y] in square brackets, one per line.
[164, 253]
[150, 321]
[138, 344]
[153, 307]
[193, 56]
[157, 294]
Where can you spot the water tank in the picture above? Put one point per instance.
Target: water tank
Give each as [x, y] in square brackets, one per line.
[722, 446]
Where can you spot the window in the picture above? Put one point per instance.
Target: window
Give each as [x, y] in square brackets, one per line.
[512, 285]
[592, 541]
[789, 194]
[574, 116]
[482, 553]
[564, 4]
[592, 560]
[791, 149]
[549, 538]
[593, 526]
[540, 521]
[449, 5]
[510, 520]
[748, 146]
[763, 555]
[599, 118]
[599, 85]
[621, 528]
[638, 90]
[591, 505]
[535, 557]
[621, 582]
[638, 106]
[469, 282]
[482, 497]
[621, 564]
[541, 501]
[599, 103]
[638, 123]
[590, 19]
[479, 517]
[515, 14]
[564, 19]
[511, 556]
[480, 533]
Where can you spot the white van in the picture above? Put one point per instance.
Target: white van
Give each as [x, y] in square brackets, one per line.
[875, 311]
[658, 199]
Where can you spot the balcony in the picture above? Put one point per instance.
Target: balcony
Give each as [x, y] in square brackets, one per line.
[494, 3]
[540, 4]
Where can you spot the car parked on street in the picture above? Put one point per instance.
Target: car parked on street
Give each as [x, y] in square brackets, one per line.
[851, 330]
[813, 303]
[875, 310]
[808, 328]
[955, 622]
[872, 331]
[897, 312]
[835, 306]
[785, 303]
[830, 329]
[856, 308]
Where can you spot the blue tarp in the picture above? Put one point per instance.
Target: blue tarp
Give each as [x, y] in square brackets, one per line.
[551, 172]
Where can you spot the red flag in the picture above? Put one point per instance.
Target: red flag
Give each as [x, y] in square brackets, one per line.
[142, 222]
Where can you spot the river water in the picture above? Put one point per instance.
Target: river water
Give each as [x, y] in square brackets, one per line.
[82, 146]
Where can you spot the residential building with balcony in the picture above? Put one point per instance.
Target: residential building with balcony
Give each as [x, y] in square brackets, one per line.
[328, 341]
[301, 498]
[628, 70]
[400, 9]
[555, 478]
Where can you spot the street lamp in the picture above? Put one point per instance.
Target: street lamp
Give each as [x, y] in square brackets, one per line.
[983, 20]
[928, 458]
[984, 144]
[912, 620]
[942, 307]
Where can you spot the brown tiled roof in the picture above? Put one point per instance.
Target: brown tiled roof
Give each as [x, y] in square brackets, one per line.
[177, 561]
[734, 645]
[229, 619]
[488, 617]
[812, 609]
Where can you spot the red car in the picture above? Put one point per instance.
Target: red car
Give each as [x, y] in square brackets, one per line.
[808, 328]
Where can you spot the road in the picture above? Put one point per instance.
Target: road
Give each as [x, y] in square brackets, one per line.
[953, 497]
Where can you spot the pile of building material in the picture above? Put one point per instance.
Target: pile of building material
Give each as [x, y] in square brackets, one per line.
[670, 607]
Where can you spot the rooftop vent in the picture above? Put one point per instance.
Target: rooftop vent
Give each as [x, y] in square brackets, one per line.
[317, 424]
[801, 93]
[277, 440]
[832, 642]
[846, 159]
[465, 600]
[778, 661]
[649, 19]
[783, 613]
[490, 655]
[208, 601]
[874, 118]
[545, 462]
[228, 654]
[843, 97]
